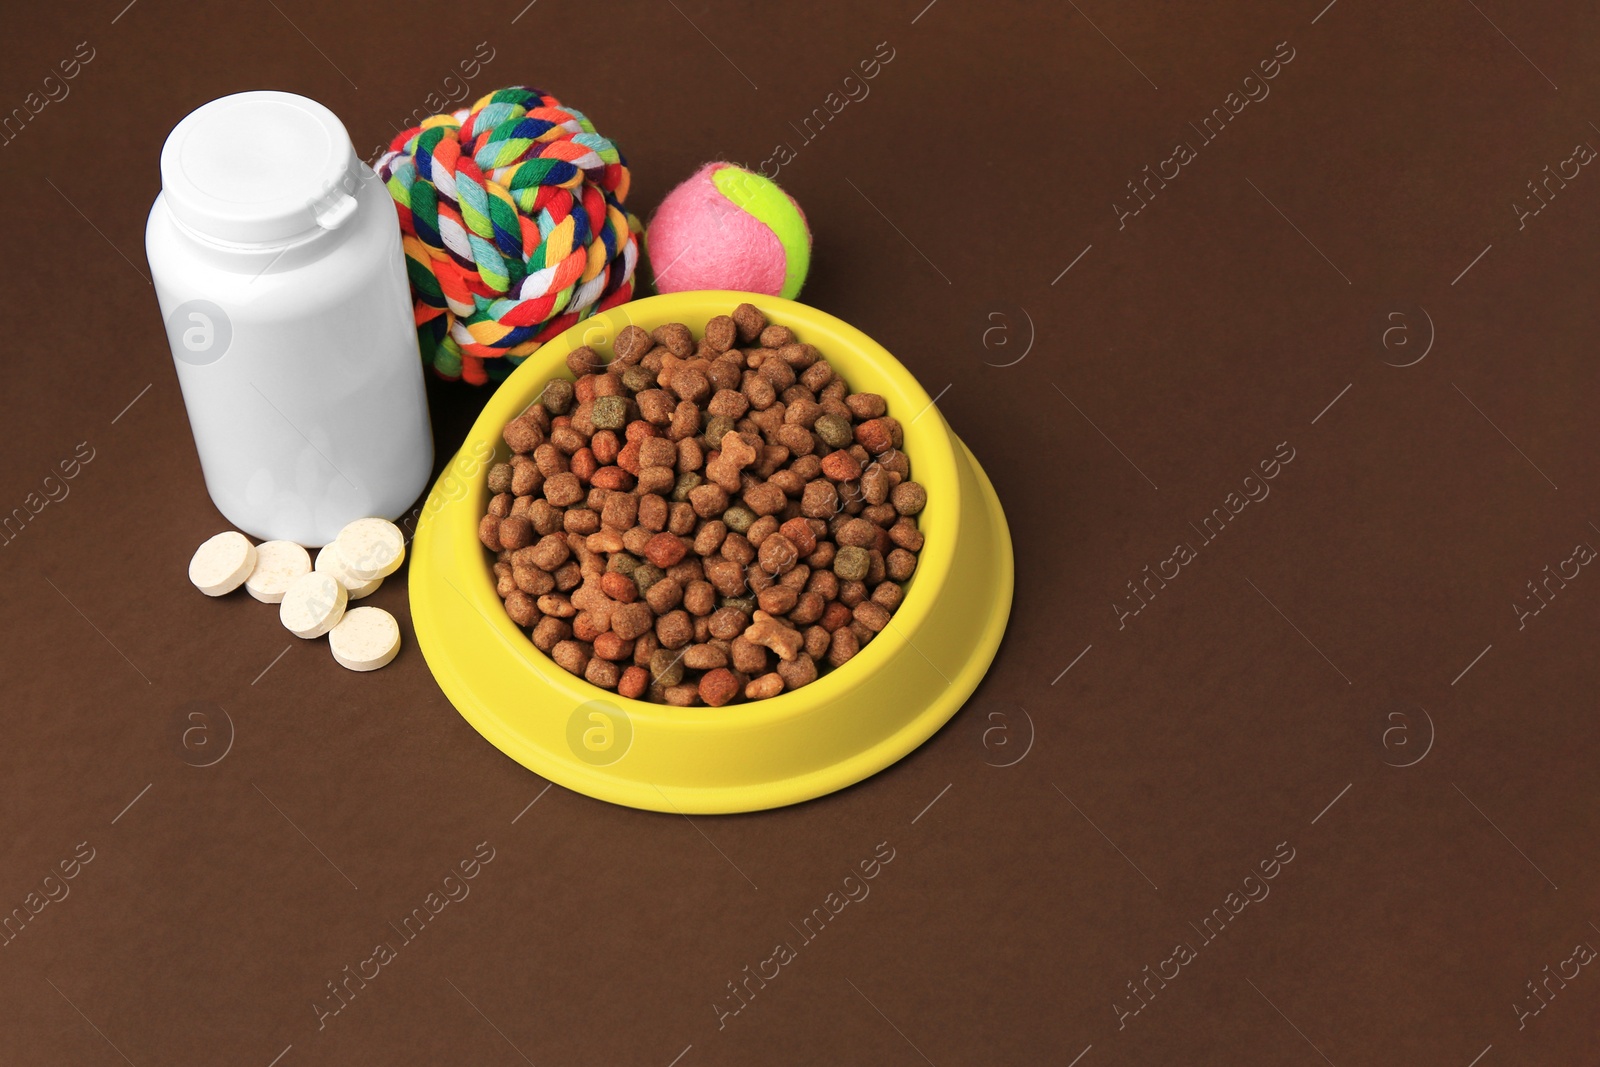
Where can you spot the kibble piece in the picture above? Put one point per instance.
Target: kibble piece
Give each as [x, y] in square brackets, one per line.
[633, 682]
[550, 552]
[704, 657]
[515, 533]
[747, 656]
[666, 667]
[807, 608]
[719, 686]
[889, 594]
[602, 673]
[778, 554]
[676, 338]
[843, 647]
[857, 532]
[700, 598]
[522, 434]
[563, 489]
[748, 322]
[548, 632]
[765, 499]
[689, 384]
[905, 534]
[764, 687]
[770, 633]
[583, 360]
[631, 343]
[834, 431]
[727, 623]
[665, 549]
[619, 587]
[900, 565]
[682, 695]
[818, 640]
[866, 405]
[802, 670]
[630, 621]
[646, 575]
[571, 656]
[664, 595]
[850, 563]
[558, 396]
[871, 614]
[875, 435]
[521, 609]
[609, 413]
[777, 600]
[500, 478]
[609, 646]
[909, 498]
[820, 500]
[840, 466]
[674, 629]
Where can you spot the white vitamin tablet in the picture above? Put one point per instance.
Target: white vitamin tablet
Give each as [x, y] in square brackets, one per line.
[371, 548]
[313, 604]
[365, 639]
[278, 563]
[222, 564]
[329, 562]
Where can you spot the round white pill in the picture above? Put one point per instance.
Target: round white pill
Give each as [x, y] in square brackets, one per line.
[313, 604]
[278, 563]
[371, 548]
[223, 563]
[329, 562]
[365, 639]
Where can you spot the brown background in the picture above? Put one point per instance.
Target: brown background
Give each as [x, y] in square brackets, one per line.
[1253, 691]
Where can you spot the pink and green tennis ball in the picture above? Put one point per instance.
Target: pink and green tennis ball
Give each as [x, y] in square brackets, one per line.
[729, 228]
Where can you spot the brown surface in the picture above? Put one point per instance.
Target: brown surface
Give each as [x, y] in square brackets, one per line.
[1219, 722]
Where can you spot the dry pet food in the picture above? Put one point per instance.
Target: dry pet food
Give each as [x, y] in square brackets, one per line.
[703, 520]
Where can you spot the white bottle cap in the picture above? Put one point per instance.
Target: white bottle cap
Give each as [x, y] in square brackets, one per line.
[260, 168]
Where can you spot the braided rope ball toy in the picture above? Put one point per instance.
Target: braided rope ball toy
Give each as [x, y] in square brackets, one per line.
[513, 228]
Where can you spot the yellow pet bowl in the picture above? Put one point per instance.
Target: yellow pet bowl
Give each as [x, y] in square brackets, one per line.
[850, 723]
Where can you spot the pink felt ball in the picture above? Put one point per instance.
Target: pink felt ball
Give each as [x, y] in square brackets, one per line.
[729, 228]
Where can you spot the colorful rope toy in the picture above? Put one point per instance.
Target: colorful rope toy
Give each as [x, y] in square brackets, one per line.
[513, 226]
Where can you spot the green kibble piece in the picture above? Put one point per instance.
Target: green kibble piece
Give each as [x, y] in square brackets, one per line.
[715, 429]
[558, 397]
[851, 562]
[834, 431]
[666, 667]
[688, 481]
[610, 413]
[746, 604]
[636, 379]
[622, 563]
[738, 518]
[645, 575]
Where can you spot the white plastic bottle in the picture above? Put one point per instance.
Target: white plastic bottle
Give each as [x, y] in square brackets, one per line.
[277, 263]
